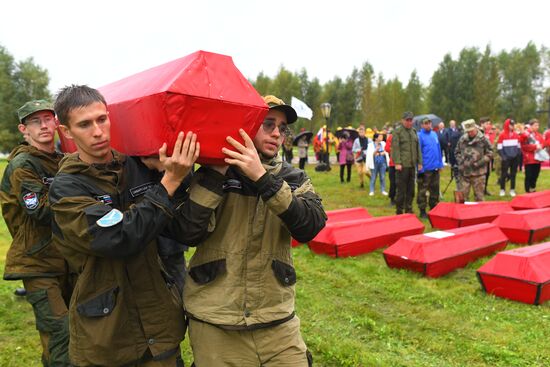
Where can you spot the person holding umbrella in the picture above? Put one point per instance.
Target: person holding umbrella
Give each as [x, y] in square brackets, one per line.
[302, 141]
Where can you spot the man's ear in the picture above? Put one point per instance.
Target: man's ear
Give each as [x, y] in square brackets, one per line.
[65, 131]
[22, 128]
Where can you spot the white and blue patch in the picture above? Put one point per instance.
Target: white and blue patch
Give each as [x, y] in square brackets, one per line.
[31, 200]
[110, 219]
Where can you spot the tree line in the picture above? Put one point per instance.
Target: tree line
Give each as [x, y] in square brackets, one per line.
[477, 83]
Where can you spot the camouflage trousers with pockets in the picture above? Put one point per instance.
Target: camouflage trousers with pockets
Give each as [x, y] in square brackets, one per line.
[477, 183]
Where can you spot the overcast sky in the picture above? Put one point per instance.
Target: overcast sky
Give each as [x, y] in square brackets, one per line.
[98, 42]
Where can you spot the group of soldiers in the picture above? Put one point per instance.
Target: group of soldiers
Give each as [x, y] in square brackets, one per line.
[98, 242]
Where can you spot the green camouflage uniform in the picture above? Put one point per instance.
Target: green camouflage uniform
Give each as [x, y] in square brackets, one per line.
[32, 257]
[472, 156]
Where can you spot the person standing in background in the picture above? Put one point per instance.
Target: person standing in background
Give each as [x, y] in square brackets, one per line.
[360, 146]
[531, 142]
[508, 148]
[432, 163]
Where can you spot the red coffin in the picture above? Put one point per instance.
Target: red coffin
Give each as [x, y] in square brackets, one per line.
[438, 253]
[525, 226]
[453, 215]
[356, 237]
[534, 200]
[521, 274]
[341, 215]
[203, 92]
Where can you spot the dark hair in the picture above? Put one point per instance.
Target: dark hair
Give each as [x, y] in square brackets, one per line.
[375, 136]
[75, 96]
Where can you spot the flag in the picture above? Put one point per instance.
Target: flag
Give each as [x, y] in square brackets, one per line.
[302, 110]
[321, 135]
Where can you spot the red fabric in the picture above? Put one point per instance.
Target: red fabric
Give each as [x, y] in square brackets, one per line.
[453, 215]
[340, 215]
[519, 274]
[525, 226]
[388, 149]
[435, 257]
[528, 149]
[352, 238]
[533, 200]
[203, 92]
[491, 135]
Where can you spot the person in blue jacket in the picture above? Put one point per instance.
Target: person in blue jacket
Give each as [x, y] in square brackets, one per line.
[432, 162]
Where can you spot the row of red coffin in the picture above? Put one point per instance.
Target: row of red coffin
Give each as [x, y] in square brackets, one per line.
[517, 274]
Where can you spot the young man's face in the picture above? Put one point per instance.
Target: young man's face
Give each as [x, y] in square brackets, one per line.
[269, 137]
[39, 129]
[89, 128]
[427, 126]
[407, 123]
[361, 131]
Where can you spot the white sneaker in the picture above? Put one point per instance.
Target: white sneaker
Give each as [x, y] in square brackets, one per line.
[512, 193]
[371, 193]
[384, 193]
[502, 193]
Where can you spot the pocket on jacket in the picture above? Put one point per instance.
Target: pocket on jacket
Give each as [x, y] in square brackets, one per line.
[285, 274]
[206, 273]
[99, 306]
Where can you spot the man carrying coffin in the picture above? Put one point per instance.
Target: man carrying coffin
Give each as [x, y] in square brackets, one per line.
[109, 209]
[239, 292]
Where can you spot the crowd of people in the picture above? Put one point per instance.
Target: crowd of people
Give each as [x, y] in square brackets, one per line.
[472, 150]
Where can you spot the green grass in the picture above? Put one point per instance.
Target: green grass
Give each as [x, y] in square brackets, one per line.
[358, 312]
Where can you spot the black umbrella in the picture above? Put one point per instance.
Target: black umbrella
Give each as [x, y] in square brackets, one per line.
[417, 120]
[351, 131]
[307, 134]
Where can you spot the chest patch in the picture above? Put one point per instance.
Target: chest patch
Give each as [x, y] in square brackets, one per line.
[105, 199]
[110, 219]
[31, 200]
[141, 189]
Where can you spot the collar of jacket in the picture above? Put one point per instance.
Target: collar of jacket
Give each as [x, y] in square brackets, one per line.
[272, 165]
[25, 147]
[73, 164]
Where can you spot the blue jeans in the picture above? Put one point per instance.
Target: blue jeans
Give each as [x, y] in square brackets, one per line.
[379, 169]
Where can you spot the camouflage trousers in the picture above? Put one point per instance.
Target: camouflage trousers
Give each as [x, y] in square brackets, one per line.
[428, 183]
[477, 183]
[49, 298]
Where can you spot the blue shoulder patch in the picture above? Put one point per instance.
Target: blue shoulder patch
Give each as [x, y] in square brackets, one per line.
[110, 219]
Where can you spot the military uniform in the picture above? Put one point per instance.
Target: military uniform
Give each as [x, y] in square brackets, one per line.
[405, 151]
[472, 156]
[125, 307]
[239, 293]
[31, 256]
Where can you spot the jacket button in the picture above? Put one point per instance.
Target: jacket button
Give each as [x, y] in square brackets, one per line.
[151, 341]
[105, 310]
[247, 313]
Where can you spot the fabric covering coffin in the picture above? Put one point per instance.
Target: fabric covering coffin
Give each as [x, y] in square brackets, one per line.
[454, 215]
[533, 200]
[341, 215]
[356, 237]
[525, 226]
[521, 274]
[438, 253]
[203, 92]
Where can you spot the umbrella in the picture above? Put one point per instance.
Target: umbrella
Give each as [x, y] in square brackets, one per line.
[417, 120]
[351, 131]
[307, 134]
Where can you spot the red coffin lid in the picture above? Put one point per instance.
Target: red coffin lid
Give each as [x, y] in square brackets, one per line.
[532, 200]
[203, 92]
[524, 219]
[531, 263]
[340, 215]
[434, 246]
[470, 210]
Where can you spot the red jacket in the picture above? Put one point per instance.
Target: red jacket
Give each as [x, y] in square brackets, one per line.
[528, 146]
[388, 148]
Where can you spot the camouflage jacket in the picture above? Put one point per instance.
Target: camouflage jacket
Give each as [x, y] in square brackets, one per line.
[26, 211]
[473, 154]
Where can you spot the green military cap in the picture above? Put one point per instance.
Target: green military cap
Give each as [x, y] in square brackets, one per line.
[33, 106]
[425, 120]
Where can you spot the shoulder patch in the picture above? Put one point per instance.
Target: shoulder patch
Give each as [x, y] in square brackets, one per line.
[110, 219]
[31, 200]
[141, 189]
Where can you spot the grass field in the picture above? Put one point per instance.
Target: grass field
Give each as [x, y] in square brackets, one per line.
[357, 312]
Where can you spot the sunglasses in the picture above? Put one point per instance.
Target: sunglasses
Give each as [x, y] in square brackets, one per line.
[269, 126]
